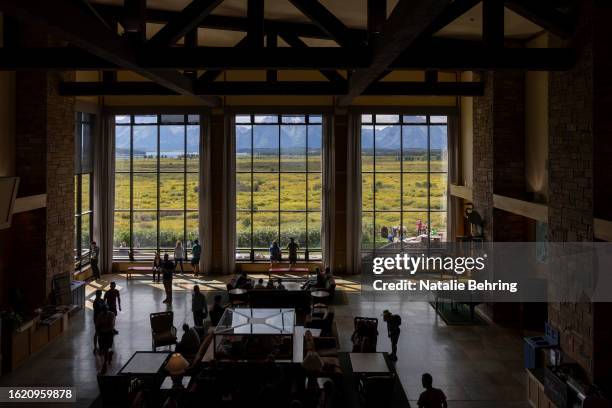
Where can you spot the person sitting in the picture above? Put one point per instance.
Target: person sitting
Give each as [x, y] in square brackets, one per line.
[260, 284]
[275, 253]
[190, 341]
[216, 311]
[242, 281]
[270, 284]
[318, 283]
[431, 397]
[157, 267]
[279, 284]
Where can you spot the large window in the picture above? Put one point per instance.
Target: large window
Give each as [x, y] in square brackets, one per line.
[156, 183]
[278, 184]
[404, 166]
[83, 191]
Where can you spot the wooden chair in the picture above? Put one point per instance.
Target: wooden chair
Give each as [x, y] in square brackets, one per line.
[163, 332]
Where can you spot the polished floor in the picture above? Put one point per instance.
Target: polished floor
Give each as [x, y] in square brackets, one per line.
[476, 366]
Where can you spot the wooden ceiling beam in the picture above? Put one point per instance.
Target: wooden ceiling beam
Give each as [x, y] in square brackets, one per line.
[326, 21]
[546, 15]
[419, 58]
[403, 27]
[255, 20]
[295, 42]
[186, 20]
[276, 88]
[493, 23]
[74, 22]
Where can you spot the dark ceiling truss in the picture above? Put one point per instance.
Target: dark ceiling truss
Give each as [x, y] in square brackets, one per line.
[403, 41]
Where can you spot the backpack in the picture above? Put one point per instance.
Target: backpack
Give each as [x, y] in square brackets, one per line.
[398, 320]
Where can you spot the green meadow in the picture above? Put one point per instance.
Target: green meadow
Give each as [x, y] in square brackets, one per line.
[297, 195]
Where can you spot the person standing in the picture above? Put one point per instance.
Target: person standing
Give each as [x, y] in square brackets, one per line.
[93, 259]
[275, 253]
[198, 307]
[431, 397]
[292, 247]
[393, 329]
[179, 255]
[196, 252]
[167, 275]
[157, 267]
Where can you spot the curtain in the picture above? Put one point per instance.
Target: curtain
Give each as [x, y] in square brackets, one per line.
[104, 192]
[229, 196]
[204, 196]
[327, 210]
[353, 196]
[453, 212]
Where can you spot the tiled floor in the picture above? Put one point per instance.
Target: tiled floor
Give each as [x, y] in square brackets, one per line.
[476, 366]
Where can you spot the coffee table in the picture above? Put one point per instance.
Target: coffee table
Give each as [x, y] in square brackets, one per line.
[369, 363]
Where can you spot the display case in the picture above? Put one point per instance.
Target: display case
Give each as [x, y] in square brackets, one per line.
[246, 334]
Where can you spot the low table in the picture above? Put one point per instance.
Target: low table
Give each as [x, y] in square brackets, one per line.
[369, 363]
[128, 274]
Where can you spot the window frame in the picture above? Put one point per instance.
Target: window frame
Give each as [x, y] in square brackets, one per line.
[189, 120]
[81, 257]
[402, 123]
[305, 252]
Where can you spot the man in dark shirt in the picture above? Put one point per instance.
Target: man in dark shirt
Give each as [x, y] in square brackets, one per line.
[167, 275]
[393, 330]
[98, 304]
[431, 397]
[112, 298]
[198, 306]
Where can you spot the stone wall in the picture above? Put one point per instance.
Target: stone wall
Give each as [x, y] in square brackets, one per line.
[45, 128]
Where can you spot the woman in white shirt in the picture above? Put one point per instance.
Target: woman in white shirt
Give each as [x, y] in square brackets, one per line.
[179, 255]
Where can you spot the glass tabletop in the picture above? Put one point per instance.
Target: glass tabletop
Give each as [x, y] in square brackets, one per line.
[256, 321]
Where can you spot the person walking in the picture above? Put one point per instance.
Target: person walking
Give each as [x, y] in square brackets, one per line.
[393, 329]
[216, 311]
[199, 307]
[98, 304]
[112, 298]
[431, 397]
[196, 252]
[103, 337]
[292, 247]
[167, 275]
[93, 259]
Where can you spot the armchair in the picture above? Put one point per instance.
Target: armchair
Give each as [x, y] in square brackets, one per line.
[163, 332]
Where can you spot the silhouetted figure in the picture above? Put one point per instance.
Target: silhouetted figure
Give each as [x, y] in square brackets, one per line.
[242, 280]
[167, 275]
[190, 341]
[260, 284]
[103, 337]
[93, 259]
[196, 252]
[98, 304]
[279, 284]
[292, 247]
[393, 329]
[157, 267]
[199, 307]
[112, 298]
[275, 253]
[431, 397]
[216, 311]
